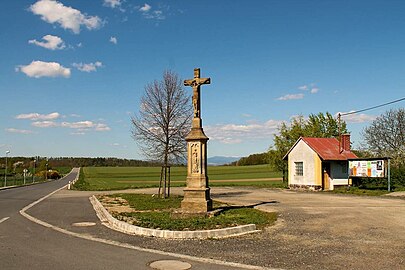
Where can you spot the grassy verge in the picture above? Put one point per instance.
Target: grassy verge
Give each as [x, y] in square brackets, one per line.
[154, 212]
[81, 184]
[359, 191]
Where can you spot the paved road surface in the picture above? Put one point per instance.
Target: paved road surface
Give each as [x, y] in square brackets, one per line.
[314, 231]
[27, 245]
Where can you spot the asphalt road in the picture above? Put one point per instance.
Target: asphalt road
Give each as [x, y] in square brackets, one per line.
[27, 245]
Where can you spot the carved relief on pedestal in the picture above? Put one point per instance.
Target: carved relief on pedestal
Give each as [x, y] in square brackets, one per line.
[195, 157]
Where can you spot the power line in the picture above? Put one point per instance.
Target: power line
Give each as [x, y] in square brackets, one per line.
[367, 109]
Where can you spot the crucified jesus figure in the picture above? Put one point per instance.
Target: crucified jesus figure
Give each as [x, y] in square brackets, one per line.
[196, 84]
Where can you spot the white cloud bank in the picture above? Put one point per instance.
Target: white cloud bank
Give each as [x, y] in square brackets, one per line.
[356, 118]
[237, 133]
[80, 126]
[19, 131]
[52, 11]
[291, 96]
[48, 121]
[90, 67]
[37, 116]
[38, 69]
[50, 42]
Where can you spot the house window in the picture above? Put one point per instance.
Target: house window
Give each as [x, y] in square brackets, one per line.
[299, 168]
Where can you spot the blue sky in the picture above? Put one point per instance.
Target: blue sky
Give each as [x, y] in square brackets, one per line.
[72, 72]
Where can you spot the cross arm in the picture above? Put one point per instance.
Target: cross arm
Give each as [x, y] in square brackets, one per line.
[197, 81]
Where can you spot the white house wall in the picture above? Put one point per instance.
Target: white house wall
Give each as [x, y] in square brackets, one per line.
[302, 153]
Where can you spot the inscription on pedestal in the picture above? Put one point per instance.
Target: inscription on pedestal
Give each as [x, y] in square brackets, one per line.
[195, 157]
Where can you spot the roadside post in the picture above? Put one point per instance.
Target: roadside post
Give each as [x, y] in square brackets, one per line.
[25, 174]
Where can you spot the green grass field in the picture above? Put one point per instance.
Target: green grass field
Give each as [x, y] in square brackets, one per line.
[115, 178]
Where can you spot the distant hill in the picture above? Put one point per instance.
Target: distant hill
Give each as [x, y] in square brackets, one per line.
[219, 160]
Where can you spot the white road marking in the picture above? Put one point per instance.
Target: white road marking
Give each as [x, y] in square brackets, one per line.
[128, 246]
[4, 219]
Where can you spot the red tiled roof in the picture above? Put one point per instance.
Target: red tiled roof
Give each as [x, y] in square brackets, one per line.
[327, 148]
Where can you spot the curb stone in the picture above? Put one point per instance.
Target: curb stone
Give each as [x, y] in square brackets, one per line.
[108, 220]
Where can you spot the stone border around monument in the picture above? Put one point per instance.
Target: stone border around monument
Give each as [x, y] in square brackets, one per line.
[108, 220]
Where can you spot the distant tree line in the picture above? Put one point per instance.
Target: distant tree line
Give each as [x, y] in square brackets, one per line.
[254, 159]
[18, 164]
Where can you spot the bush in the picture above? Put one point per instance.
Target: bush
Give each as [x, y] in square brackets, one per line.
[397, 180]
[398, 177]
[51, 174]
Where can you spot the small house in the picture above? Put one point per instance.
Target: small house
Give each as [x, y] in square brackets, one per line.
[319, 163]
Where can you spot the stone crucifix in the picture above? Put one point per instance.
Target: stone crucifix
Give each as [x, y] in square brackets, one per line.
[196, 84]
[197, 197]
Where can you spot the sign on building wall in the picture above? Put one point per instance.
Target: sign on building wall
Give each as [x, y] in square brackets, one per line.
[367, 168]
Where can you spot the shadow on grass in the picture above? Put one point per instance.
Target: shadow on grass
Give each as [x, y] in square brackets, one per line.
[231, 207]
[230, 194]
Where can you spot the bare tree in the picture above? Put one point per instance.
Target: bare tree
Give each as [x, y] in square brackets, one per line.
[163, 121]
[386, 135]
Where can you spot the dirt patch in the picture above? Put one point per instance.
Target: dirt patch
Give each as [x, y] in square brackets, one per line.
[115, 204]
[314, 231]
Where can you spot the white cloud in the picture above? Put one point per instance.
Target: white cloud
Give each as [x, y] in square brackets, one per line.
[113, 40]
[87, 67]
[37, 116]
[291, 96]
[20, 131]
[112, 3]
[156, 14]
[38, 69]
[53, 11]
[102, 127]
[78, 133]
[312, 88]
[237, 133]
[78, 125]
[148, 13]
[145, 8]
[44, 124]
[48, 121]
[356, 118]
[50, 42]
[81, 126]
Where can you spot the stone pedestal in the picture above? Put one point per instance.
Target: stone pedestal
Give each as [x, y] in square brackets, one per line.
[197, 193]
